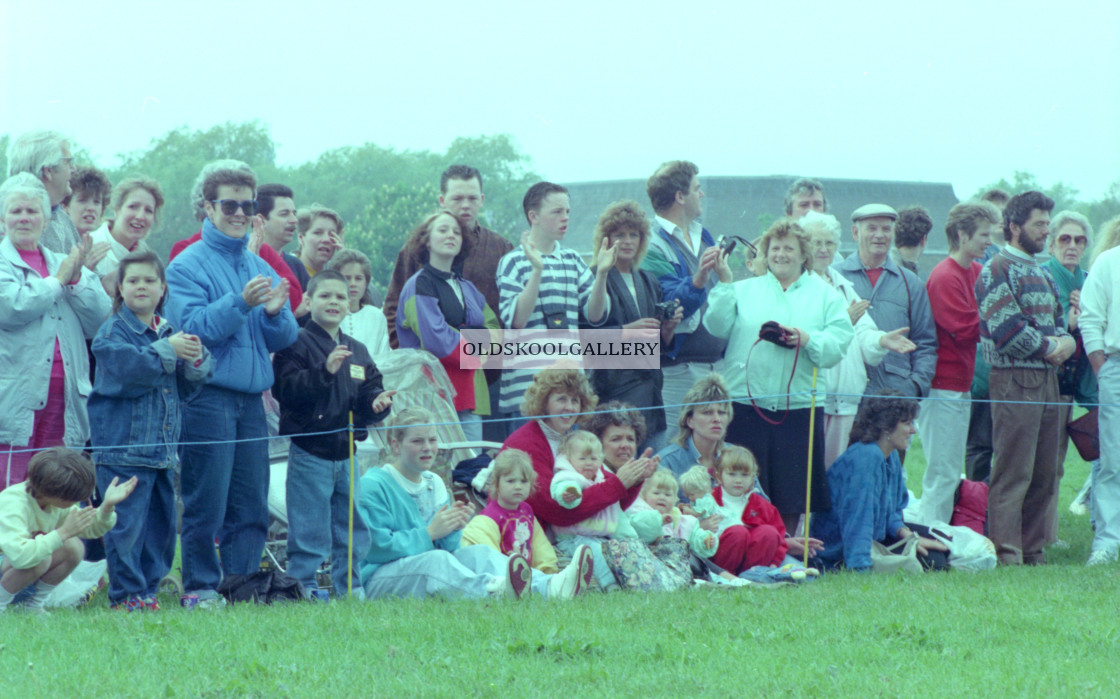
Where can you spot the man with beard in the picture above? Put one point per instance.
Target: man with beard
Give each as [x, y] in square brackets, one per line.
[1024, 339]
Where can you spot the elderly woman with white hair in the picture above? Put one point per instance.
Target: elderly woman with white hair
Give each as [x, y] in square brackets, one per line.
[845, 382]
[1071, 234]
[49, 305]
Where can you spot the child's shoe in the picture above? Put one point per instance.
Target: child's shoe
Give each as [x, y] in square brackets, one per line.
[132, 604]
[519, 577]
[150, 604]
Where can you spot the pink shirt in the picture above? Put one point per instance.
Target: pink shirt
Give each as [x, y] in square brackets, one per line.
[34, 260]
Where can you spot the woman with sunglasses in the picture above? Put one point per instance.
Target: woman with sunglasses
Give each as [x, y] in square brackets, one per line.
[238, 307]
[1071, 234]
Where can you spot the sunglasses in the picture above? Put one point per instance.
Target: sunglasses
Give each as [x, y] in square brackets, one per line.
[229, 206]
[1077, 240]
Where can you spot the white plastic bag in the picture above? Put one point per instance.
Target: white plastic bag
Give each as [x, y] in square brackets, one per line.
[77, 586]
[967, 549]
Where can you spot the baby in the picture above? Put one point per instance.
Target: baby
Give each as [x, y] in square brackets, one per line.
[579, 465]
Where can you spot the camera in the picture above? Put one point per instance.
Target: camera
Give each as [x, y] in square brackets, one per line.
[665, 310]
[727, 244]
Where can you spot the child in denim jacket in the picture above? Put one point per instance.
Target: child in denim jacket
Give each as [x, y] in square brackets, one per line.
[144, 369]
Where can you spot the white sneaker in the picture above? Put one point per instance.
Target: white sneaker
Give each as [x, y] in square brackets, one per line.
[575, 578]
[1100, 557]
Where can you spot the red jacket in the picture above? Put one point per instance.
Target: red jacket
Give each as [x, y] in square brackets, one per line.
[952, 298]
[273, 258]
[759, 511]
[530, 439]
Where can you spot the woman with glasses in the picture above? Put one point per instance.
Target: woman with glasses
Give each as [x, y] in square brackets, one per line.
[1070, 236]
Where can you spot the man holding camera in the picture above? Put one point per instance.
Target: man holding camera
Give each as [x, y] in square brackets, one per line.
[683, 256]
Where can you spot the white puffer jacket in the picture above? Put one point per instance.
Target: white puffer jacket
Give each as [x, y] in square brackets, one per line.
[845, 382]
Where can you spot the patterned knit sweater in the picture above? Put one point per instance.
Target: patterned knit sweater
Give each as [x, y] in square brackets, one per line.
[1018, 309]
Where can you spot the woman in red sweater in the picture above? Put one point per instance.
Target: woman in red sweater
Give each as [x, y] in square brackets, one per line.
[553, 402]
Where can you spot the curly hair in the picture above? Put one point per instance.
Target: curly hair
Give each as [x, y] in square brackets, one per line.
[914, 223]
[417, 243]
[1108, 238]
[60, 473]
[89, 182]
[708, 390]
[783, 228]
[1019, 208]
[620, 216]
[696, 482]
[879, 415]
[570, 381]
[616, 414]
[670, 178]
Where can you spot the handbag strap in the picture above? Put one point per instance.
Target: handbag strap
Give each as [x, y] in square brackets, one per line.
[792, 373]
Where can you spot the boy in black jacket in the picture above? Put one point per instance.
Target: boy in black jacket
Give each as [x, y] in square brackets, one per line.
[319, 380]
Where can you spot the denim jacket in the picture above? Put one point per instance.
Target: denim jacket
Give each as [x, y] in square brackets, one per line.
[134, 408]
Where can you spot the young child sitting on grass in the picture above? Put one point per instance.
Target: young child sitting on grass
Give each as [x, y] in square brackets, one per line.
[415, 530]
[41, 525]
[507, 524]
[320, 380]
[751, 532]
[579, 464]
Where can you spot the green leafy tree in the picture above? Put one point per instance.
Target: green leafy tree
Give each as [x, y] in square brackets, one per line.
[1064, 195]
[175, 159]
[382, 228]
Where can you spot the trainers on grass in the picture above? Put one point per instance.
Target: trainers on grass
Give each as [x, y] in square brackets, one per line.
[519, 578]
[575, 578]
[1100, 557]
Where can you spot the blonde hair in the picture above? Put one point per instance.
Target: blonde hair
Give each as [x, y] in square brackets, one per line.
[399, 422]
[578, 442]
[707, 390]
[570, 381]
[662, 477]
[696, 480]
[512, 461]
[736, 458]
[1108, 238]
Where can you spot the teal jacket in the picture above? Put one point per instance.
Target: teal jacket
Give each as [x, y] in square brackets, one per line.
[396, 527]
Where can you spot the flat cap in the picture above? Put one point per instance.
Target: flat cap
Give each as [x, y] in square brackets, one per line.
[874, 211]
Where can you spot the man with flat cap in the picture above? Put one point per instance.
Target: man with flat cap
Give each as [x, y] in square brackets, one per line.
[896, 298]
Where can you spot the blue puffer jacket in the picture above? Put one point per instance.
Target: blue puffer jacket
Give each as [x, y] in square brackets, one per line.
[868, 496]
[134, 409]
[204, 298]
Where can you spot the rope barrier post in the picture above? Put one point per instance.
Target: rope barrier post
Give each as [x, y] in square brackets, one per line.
[809, 466]
[350, 537]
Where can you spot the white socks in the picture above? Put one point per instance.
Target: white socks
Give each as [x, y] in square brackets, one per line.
[39, 600]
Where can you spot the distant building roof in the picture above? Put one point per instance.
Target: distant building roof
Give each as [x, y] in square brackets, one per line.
[737, 205]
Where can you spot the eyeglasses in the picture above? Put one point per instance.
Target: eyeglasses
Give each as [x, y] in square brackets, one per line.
[1065, 239]
[230, 206]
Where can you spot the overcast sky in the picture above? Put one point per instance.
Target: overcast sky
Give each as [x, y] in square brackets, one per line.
[963, 92]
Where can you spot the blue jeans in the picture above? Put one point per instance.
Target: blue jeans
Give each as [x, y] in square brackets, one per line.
[318, 501]
[139, 549]
[224, 486]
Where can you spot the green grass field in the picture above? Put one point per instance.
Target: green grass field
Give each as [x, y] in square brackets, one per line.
[1044, 631]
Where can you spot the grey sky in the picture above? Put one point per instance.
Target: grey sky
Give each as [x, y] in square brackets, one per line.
[964, 92]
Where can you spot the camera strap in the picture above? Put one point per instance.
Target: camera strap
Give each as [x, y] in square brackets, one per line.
[793, 372]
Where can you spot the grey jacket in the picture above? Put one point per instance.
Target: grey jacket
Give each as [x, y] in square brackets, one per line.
[33, 312]
[898, 300]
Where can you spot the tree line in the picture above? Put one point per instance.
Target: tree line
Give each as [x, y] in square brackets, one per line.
[382, 192]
